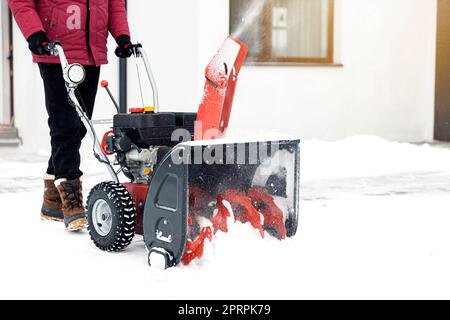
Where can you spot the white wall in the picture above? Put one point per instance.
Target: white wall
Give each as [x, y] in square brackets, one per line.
[2, 61]
[168, 31]
[385, 88]
[28, 97]
[5, 94]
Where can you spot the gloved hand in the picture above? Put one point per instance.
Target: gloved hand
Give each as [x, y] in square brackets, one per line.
[37, 43]
[125, 47]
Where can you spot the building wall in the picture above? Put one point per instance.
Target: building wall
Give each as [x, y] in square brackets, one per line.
[2, 120]
[385, 87]
[168, 31]
[3, 60]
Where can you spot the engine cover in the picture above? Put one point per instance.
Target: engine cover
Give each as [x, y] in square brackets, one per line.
[154, 129]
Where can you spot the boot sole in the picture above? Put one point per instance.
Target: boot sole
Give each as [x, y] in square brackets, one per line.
[48, 218]
[76, 225]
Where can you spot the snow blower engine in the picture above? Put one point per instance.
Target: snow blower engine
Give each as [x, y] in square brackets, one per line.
[186, 181]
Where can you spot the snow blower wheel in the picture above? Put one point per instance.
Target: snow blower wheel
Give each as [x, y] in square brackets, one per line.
[111, 216]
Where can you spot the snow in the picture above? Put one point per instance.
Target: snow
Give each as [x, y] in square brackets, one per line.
[374, 223]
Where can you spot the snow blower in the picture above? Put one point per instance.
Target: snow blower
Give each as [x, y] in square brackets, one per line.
[185, 179]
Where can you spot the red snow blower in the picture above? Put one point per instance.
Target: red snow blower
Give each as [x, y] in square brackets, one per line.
[186, 181]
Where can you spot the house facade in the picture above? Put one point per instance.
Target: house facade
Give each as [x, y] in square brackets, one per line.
[366, 67]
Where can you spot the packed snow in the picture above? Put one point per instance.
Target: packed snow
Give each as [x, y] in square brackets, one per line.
[374, 223]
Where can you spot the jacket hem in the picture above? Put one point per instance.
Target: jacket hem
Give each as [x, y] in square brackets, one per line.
[55, 60]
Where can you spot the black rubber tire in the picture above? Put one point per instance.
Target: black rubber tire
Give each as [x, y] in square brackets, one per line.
[123, 216]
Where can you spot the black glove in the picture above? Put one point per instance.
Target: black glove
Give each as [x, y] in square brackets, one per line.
[125, 47]
[37, 43]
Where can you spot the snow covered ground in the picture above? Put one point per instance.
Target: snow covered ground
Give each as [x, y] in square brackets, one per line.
[374, 223]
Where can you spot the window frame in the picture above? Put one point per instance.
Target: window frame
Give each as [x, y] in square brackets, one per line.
[267, 57]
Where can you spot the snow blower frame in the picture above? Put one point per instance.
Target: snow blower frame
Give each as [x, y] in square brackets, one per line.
[185, 183]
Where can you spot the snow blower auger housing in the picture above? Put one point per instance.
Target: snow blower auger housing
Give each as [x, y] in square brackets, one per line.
[185, 182]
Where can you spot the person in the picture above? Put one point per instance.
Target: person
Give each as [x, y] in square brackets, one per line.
[81, 26]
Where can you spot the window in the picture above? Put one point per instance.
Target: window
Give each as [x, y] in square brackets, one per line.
[285, 31]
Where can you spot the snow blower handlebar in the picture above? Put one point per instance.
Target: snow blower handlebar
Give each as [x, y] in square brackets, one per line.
[74, 74]
[140, 53]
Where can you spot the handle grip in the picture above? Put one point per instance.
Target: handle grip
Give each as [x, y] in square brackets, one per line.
[51, 47]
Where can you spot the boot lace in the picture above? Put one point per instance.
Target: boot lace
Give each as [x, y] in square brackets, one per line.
[73, 196]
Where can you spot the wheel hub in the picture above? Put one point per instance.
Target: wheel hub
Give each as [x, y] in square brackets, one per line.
[102, 217]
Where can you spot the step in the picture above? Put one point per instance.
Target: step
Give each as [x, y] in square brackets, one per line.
[12, 143]
[7, 132]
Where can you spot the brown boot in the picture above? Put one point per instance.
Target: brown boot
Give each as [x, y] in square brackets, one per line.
[72, 203]
[52, 206]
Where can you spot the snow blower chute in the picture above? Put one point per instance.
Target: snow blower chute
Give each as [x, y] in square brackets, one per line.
[186, 179]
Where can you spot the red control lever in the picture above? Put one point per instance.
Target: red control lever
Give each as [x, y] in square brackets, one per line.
[105, 85]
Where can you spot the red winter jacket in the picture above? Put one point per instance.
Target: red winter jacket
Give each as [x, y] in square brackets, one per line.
[83, 33]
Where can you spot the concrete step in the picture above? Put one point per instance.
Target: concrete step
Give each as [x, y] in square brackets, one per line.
[7, 132]
[9, 137]
[9, 143]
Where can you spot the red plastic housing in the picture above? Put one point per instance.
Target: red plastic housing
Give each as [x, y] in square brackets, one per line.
[139, 195]
[221, 79]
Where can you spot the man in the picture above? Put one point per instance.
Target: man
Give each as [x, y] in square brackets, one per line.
[81, 26]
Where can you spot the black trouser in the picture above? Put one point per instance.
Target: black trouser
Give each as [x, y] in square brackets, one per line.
[66, 128]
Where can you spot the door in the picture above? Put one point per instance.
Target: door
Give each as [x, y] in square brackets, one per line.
[442, 119]
[6, 105]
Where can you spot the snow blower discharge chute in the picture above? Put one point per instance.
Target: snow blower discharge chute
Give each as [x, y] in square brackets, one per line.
[185, 179]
